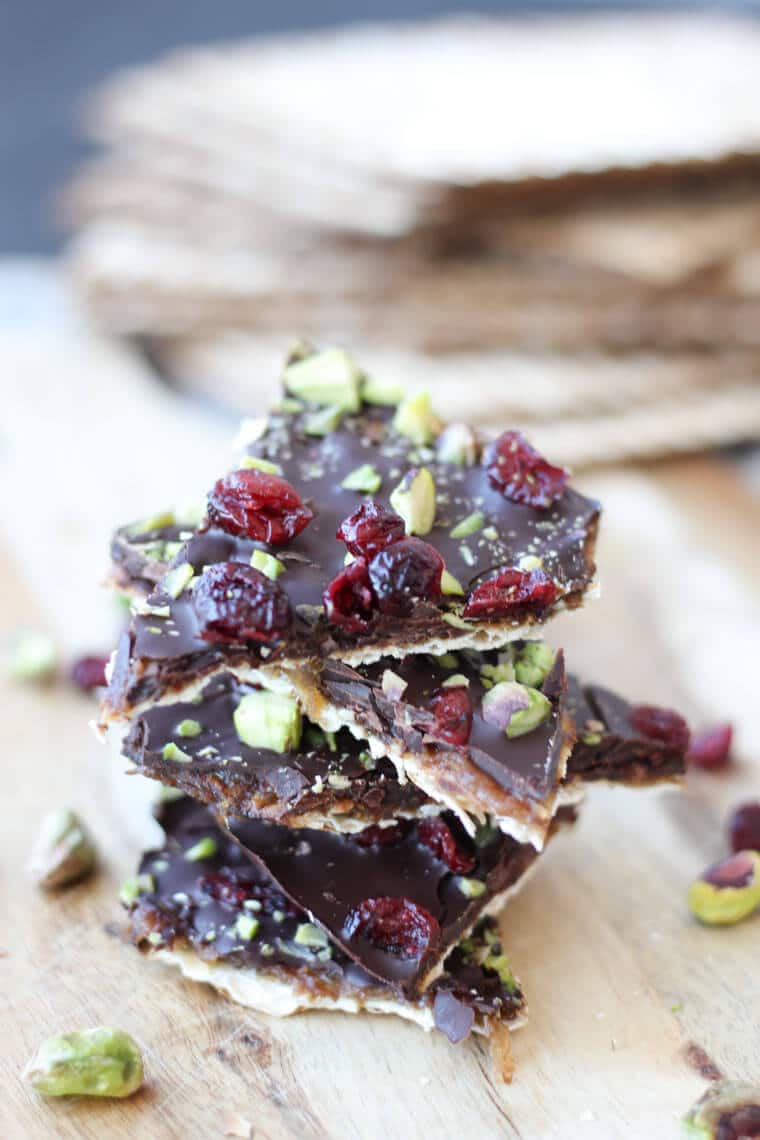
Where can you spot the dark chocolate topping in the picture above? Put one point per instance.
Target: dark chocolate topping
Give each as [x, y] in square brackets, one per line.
[527, 766]
[321, 776]
[330, 875]
[200, 902]
[562, 535]
[608, 747]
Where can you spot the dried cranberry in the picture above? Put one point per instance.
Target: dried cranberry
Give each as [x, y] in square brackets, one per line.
[376, 836]
[531, 591]
[744, 827]
[438, 836]
[521, 474]
[736, 871]
[234, 889]
[256, 505]
[453, 712]
[710, 748]
[397, 925]
[234, 602]
[348, 599]
[89, 673]
[370, 528]
[406, 570]
[664, 725]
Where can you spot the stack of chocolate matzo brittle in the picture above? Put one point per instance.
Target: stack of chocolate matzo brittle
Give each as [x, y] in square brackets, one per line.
[334, 669]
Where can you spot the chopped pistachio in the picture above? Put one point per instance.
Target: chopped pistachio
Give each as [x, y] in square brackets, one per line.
[278, 915]
[267, 564]
[458, 444]
[338, 781]
[92, 1062]
[468, 525]
[447, 660]
[491, 533]
[172, 751]
[378, 392]
[131, 889]
[534, 663]
[392, 685]
[330, 377]
[256, 463]
[153, 522]
[208, 751]
[250, 431]
[414, 500]
[367, 761]
[348, 558]
[32, 657]
[525, 720]
[189, 727]
[147, 609]
[530, 562]
[323, 421]
[177, 579]
[155, 939]
[252, 904]
[456, 681]
[307, 934]
[415, 419]
[204, 849]
[504, 670]
[365, 478]
[591, 739]
[268, 720]
[471, 888]
[247, 927]
[500, 965]
[450, 585]
[485, 833]
[467, 555]
[64, 852]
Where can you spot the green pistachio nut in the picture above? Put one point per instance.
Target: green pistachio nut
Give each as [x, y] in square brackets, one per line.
[458, 444]
[485, 833]
[323, 422]
[447, 660]
[451, 586]
[329, 378]
[64, 851]
[526, 720]
[379, 392]
[247, 927]
[153, 522]
[456, 681]
[366, 479]
[469, 525]
[267, 564]
[177, 579]
[414, 500]
[470, 888]
[137, 885]
[416, 420]
[189, 728]
[255, 463]
[268, 720]
[92, 1062]
[728, 891]
[530, 562]
[499, 963]
[534, 663]
[307, 934]
[503, 670]
[727, 1109]
[204, 849]
[32, 657]
[172, 751]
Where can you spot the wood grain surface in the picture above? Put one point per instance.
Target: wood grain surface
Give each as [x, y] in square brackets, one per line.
[632, 1003]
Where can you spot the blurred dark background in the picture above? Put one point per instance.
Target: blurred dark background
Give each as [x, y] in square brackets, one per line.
[51, 52]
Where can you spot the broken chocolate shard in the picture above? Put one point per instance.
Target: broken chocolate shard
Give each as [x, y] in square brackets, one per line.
[559, 538]
[396, 908]
[225, 912]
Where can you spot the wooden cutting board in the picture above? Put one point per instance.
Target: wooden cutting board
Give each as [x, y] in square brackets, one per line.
[633, 1005]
